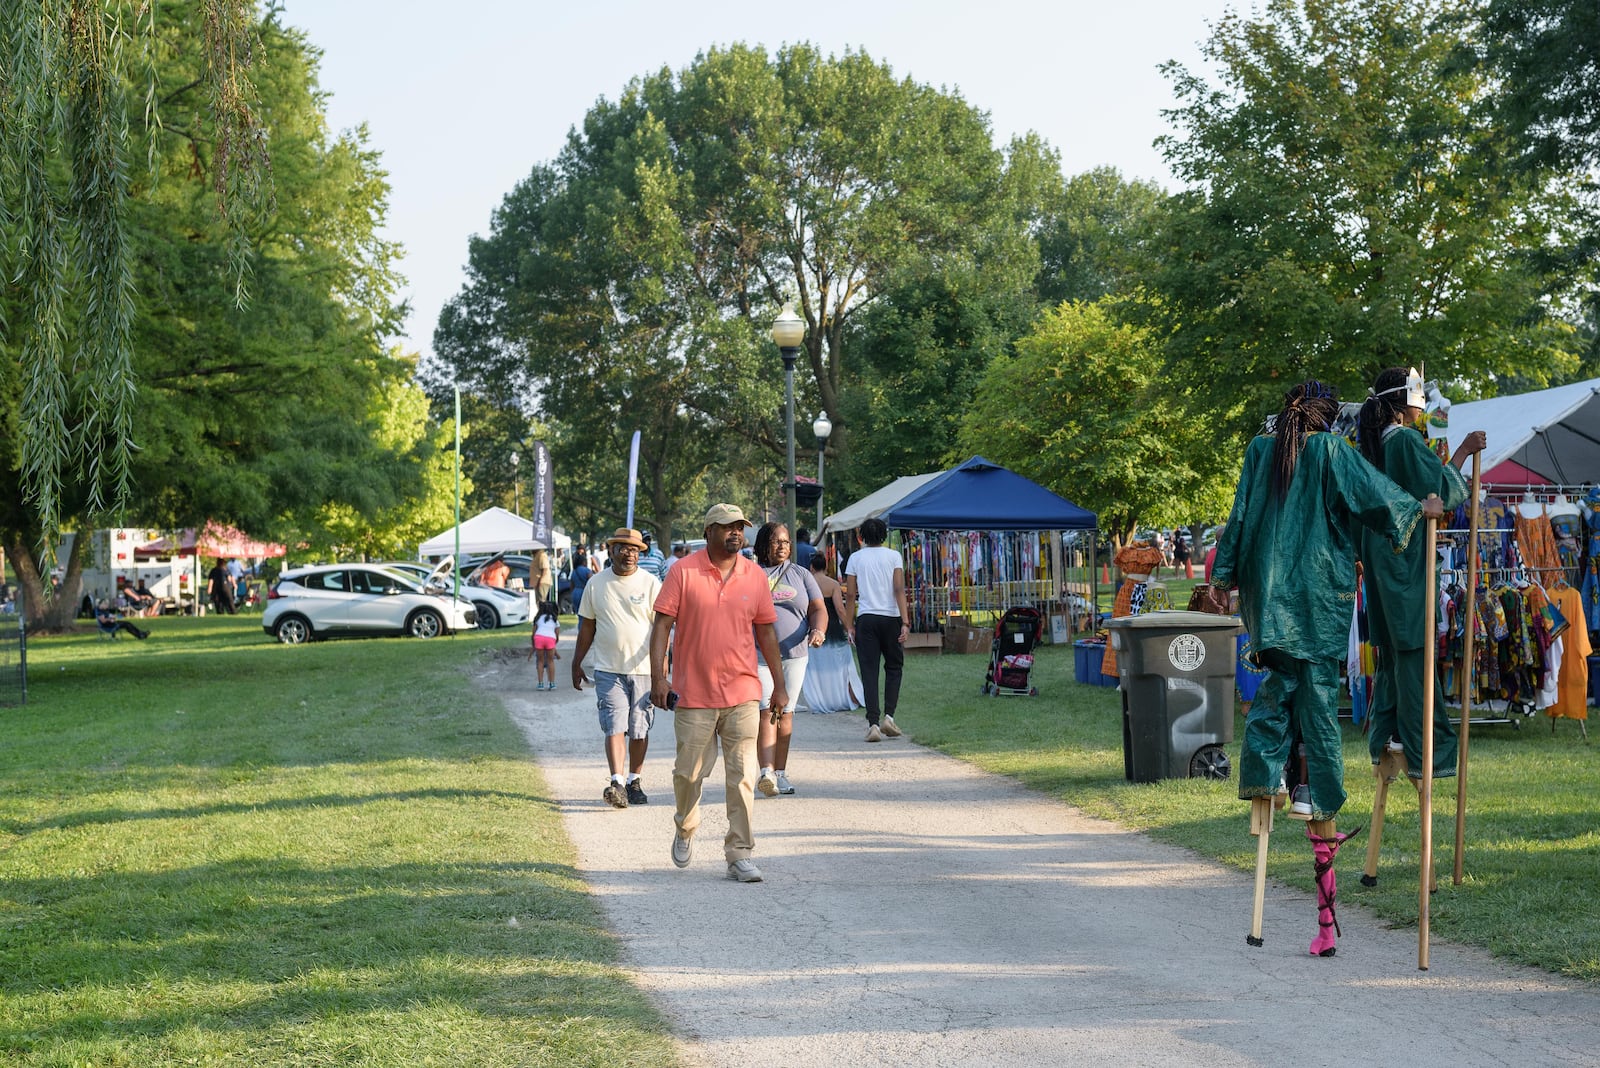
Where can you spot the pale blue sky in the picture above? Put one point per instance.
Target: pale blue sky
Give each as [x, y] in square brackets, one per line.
[463, 97]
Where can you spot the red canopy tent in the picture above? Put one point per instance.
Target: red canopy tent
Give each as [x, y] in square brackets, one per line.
[217, 539]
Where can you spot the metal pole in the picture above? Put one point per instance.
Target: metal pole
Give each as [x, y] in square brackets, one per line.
[789, 354]
[821, 449]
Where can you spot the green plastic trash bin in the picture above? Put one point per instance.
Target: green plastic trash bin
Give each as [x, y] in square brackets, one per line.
[1176, 674]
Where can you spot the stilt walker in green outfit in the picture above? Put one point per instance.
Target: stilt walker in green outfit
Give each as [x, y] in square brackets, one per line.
[1288, 547]
[1395, 598]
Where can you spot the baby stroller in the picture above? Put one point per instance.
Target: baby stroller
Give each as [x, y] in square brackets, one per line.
[1011, 654]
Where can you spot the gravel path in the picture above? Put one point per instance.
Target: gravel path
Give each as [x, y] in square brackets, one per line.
[919, 911]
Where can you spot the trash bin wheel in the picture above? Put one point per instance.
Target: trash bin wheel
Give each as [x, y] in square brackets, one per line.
[1211, 762]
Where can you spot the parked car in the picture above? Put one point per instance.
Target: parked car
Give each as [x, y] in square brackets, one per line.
[496, 607]
[359, 599]
[521, 566]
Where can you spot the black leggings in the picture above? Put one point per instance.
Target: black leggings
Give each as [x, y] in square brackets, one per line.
[878, 638]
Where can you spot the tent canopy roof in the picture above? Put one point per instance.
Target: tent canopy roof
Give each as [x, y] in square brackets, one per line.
[982, 495]
[1554, 433]
[875, 503]
[217, 539]
[490, 531]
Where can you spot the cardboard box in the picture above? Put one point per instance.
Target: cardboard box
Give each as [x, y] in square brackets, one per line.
[964, 638]
[924, 643]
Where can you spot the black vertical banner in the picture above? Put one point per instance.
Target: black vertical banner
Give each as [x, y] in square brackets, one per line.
[544, 493]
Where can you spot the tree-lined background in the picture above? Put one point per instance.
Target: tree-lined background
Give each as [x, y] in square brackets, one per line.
[197, 309]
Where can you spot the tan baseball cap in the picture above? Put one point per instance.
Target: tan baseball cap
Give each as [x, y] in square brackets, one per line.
[725, 515]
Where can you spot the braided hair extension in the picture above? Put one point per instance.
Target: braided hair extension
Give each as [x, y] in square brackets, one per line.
[1308, 407]
[1383, 406]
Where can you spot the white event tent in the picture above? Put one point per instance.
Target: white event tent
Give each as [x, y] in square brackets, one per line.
[491, 531]
[1550, 435]
[875, 503]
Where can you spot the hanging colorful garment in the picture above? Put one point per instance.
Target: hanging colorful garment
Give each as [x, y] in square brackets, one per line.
[1572, 684]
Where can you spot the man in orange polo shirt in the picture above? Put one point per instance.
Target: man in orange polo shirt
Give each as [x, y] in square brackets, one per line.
[714, 608]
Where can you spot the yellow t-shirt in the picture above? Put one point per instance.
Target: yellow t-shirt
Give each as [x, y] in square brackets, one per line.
[622, 610]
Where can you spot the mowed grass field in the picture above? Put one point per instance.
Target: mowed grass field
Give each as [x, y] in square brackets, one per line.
[218, 850]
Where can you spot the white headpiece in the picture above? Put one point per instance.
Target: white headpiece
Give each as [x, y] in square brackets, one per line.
[1415, 395]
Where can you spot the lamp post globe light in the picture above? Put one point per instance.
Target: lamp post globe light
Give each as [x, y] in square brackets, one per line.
[516, 484]
[788, 331]
[821, 427]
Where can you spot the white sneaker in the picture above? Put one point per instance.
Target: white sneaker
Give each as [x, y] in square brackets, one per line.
[745, 871]
[767, 785]
[783, 784]
[889, 729]
[873, 733]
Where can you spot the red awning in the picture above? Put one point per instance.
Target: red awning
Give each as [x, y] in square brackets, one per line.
[216, 539]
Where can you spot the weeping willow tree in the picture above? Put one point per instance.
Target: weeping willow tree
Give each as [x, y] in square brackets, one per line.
[71, 74]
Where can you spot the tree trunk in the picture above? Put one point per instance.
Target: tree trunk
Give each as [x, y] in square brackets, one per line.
[46, 609]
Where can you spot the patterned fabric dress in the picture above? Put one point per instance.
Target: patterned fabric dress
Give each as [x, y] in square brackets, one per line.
[1137, 563]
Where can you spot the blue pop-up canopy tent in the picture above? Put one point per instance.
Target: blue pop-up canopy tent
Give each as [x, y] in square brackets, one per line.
[982, 495]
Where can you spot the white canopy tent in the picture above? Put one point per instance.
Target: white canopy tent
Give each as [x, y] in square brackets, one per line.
[875, 503]
[490, 531]
[1550, 433]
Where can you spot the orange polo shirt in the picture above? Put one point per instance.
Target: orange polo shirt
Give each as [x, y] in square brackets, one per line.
[713, 643]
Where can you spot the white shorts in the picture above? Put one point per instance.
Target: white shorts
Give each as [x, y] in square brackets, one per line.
[794, 676]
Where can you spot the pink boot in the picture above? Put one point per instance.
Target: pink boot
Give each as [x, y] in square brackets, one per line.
[1325, 849]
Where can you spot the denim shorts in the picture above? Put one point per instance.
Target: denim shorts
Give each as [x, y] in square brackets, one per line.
[623, 702]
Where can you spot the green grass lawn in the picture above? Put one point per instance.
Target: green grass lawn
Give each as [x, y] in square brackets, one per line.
[1532, 845]
[215, 849]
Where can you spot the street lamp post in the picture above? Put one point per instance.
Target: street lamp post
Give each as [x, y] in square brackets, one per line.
[821, 427]
[788, 330]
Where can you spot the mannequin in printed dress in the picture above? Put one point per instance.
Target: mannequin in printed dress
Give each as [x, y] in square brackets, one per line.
[1138, 562]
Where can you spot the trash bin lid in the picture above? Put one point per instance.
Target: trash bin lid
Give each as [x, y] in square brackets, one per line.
[1176, 619]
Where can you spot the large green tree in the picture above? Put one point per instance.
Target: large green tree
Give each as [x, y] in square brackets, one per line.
[71, 73]
[631, 282]
[260, 414]
[1346, 212]
[1084, 409]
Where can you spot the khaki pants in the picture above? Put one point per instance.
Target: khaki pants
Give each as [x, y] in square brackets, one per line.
[697, 731]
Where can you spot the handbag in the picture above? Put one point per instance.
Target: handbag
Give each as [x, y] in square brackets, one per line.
[1210, 600]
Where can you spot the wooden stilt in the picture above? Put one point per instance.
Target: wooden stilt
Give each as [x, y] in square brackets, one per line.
[1385, 771]
[1468, 669]
[1261, 827]
[1425, 784]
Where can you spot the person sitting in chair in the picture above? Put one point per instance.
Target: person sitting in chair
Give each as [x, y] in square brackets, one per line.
[107, 619]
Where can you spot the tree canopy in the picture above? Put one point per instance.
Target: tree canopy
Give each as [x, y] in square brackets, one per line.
[262, 413]
[1346, 212]
[630, 284]
[1084, 409]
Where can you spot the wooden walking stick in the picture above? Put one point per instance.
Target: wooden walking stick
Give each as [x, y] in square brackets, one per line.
[1468, 669]
[1425, 786]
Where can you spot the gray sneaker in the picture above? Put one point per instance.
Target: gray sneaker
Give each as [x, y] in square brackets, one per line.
[889, 729]
[767, 785]
[616, 794]
[745, 871]
[682, 850]
[873, 733]
[783, 784]
[1300, 803]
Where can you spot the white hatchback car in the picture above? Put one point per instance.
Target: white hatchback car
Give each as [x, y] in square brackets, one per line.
[359, 599]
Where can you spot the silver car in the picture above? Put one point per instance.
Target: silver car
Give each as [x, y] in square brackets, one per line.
[359, 599]
[496, 607]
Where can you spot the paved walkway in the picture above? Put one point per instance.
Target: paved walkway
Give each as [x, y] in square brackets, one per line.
[917, 911]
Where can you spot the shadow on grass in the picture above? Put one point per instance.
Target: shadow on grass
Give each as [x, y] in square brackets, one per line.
[302, 941]
[279, 804]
